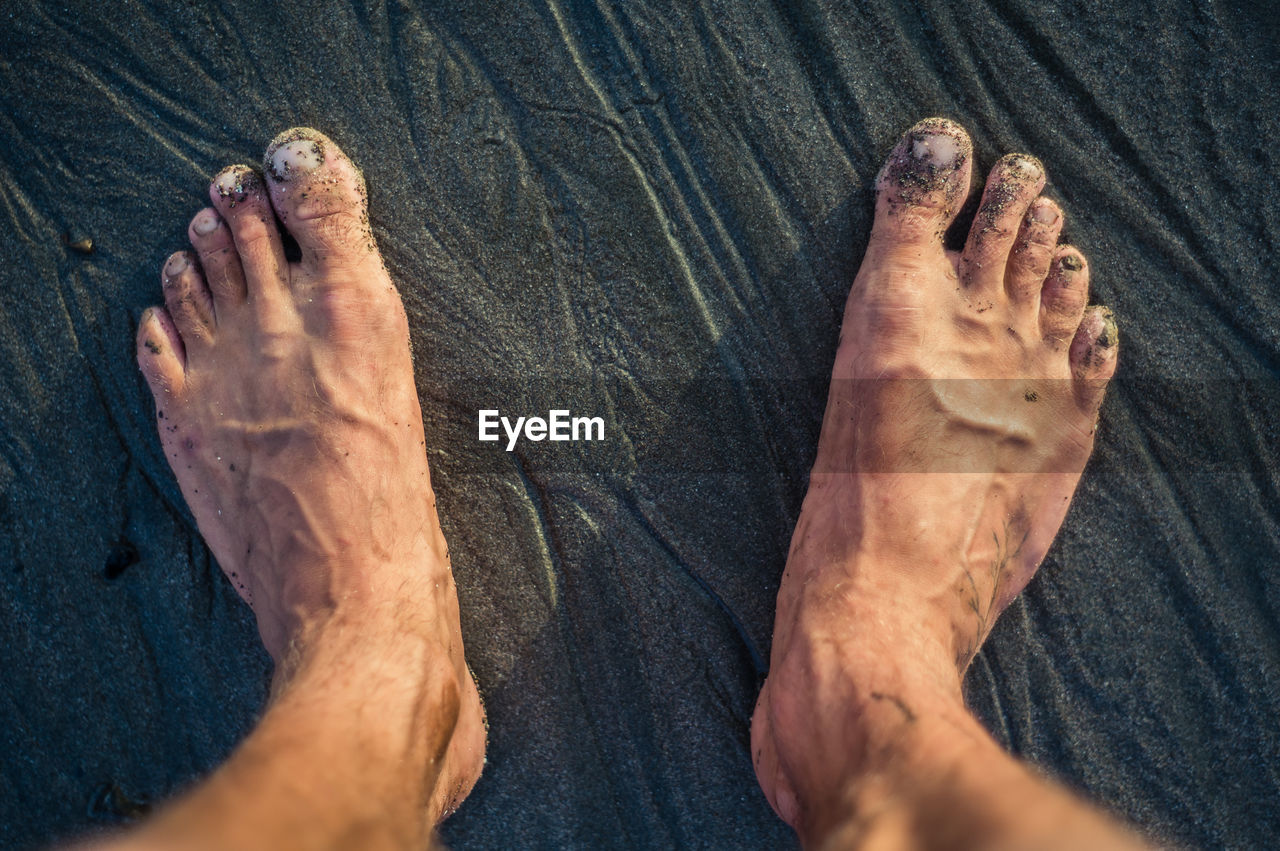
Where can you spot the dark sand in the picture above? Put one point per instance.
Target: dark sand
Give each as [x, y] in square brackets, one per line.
[654, 216]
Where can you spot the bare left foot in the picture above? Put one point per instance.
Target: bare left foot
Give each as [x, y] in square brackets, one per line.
[961, 414]
[287, 408]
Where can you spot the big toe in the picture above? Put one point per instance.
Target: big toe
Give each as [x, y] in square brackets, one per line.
[921, 186]
[320, 197]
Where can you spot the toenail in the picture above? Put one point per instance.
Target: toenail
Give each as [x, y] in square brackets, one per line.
[206, 223]
[1072, 263]
[937, 149]
[297, 157]
[1109, 335]
[235, 183]
[925, 162]
[229, 182]
[1043, 212]
[1028, 167]
[177, 263]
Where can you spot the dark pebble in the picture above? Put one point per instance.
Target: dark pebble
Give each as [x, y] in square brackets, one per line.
[110, 803]
[123, 555]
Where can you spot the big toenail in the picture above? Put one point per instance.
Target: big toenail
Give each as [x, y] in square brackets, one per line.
[177, 263]
[206, 223]
[1042, 212]
[938, 150]
[297, 157]
[1027, 167]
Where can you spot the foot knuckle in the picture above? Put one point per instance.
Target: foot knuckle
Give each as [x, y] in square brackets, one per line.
[336, 230]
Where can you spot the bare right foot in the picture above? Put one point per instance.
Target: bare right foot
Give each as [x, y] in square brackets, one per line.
[961, 414]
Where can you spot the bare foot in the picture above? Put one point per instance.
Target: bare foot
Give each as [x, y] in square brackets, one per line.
[961, 414]
[287, 408]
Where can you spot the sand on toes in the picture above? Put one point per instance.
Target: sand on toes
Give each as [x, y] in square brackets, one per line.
[287, 409]
[961, 413]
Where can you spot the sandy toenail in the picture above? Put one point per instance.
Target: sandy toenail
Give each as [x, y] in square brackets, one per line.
[1027, 167]
[926, 162]
[228, 183]
[938, 150]
[235, 183]
[1071, 263]
[297, 157]
[1043, 212]
[206, 222]
[1100, 326]
[1109, 335]
[177, 263]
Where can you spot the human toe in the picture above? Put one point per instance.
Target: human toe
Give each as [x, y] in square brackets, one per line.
[161, 355]
[223, 274]
[1033, 251]
[1015, 181]
[320, 197]
[1064, 295]
[921, 186]
[240, 197]
[1093, 355]
[187, 299]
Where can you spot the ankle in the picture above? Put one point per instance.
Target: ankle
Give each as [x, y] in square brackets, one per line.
[377, 646]
[878, 801]
[392, 677]
[378, 603]
[871, 639]
[854, 686]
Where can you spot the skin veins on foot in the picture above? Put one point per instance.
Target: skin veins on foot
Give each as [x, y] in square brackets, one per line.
[961, 413]
[960, 416]
[287, 408]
